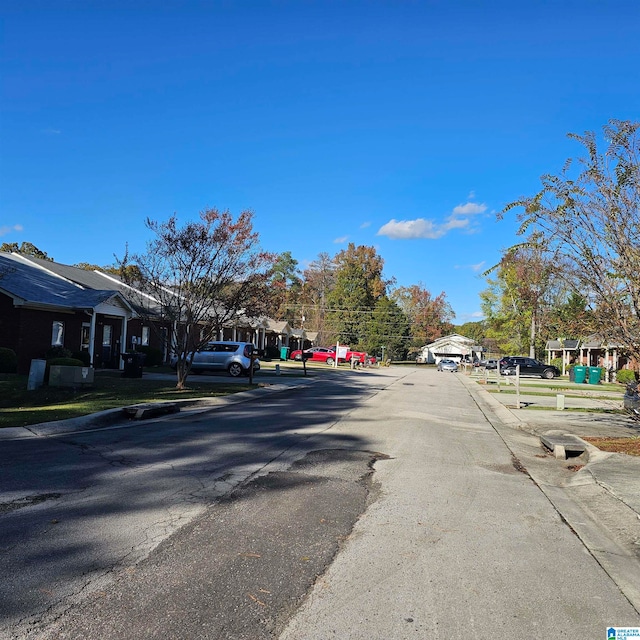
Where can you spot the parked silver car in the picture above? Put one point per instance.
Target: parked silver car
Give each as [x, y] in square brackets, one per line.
[233, 357]
[447, 365]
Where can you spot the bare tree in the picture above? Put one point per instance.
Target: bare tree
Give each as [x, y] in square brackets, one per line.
[588, 218]
[200, 277]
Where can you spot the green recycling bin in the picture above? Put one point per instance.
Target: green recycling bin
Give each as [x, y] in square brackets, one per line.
[594, 375]
[580, 374]
[284, 353]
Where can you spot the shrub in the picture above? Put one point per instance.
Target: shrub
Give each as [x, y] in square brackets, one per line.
[152, 356]
[625, 376]
[8, 360]
[57, 352]
[557, 363]
[83, 356]
[65, 362]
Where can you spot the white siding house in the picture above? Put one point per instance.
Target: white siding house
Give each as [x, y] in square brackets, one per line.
[454, 347]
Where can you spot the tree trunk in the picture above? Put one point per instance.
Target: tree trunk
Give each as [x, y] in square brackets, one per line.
[532, 337]
[182, 371]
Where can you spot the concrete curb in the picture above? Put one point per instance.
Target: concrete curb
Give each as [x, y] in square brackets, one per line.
[116, 417]
[598, 464]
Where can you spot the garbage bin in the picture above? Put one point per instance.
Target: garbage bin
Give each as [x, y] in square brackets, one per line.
[594, 375]
[580, 373]
[133, 364]
[284, 353]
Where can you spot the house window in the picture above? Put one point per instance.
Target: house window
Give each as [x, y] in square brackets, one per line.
[106, 335]
[85, 336]
[57, 334]
[145, 336]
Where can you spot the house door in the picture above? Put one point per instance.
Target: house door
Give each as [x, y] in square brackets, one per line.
[106, 350]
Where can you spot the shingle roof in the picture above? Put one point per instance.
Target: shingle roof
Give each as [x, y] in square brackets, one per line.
[88, 279]
[91, 280]
[33, 286]
[557, 345]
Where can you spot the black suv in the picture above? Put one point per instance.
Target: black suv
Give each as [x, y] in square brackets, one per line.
[528, 367]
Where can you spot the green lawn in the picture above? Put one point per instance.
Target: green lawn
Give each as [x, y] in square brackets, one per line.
[19, 407]
[552, 393]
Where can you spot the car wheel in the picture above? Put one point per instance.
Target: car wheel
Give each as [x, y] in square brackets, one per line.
[548, 374]
[298, 357]
[330, 361]
[235, 369]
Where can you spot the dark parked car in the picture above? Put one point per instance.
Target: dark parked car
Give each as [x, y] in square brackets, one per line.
[528, 367]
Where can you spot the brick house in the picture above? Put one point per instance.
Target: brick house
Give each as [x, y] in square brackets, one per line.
[116, 325]
[40, 310]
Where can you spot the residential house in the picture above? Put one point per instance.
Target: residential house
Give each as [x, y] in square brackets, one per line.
[452, 347]
[142, 328]
[565, 349]
[40, 310]
[116, 332]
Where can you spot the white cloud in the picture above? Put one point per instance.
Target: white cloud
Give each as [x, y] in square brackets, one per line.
[5, 230]
[341, 240]
[459, 218]
[405, 229]
[51, 132]
[364, 225]
[469, 209]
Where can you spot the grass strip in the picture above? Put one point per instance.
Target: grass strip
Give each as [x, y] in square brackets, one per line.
[551, 394]
[575, 410]
[20, 408]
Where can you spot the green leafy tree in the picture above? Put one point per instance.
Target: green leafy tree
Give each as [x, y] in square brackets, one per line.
[285, 287]
[525, 276]
[588, 217]
[387, 330]
[26, 248]
[474, 330]
[572, 318]
[359, 284]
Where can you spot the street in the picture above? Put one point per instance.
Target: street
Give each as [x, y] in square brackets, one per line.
[373, 504]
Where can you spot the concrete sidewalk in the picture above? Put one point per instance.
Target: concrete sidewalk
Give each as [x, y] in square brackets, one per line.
[618, 474]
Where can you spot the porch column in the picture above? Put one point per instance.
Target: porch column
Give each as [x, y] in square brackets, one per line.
[123, 345]
[92, 337]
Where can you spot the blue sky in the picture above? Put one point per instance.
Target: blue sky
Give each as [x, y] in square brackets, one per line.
[401, 125]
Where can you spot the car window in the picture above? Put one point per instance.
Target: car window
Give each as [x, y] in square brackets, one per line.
[225, 347]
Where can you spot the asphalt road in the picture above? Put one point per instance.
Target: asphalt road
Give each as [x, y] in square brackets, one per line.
[376, 504]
